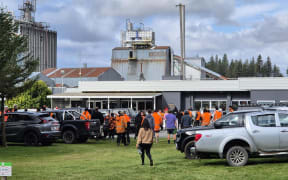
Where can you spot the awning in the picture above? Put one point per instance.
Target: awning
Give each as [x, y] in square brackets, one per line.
[104, 95]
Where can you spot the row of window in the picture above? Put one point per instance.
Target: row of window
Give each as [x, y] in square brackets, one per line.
[267, 120]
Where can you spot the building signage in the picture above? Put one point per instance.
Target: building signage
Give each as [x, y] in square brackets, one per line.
[5, 169]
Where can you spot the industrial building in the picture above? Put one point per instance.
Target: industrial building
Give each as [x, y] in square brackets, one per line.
[182, 94]
[139, 58]
[42, 41]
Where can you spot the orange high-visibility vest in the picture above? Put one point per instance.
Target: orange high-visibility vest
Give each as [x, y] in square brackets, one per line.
[120, 125]
[190, 113]
[157, 121]
[206, 117]
[127, 118]
[86, 115]
[198, 115]
[217, 115]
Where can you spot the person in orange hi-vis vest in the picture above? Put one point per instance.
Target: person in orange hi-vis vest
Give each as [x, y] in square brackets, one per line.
[231, 109]
[86, 115]
[206, 118]
[121, 126]
[127, 121]
[197, 118]
[6, 110]
[157, 124]
[190, 112]
[217, 114]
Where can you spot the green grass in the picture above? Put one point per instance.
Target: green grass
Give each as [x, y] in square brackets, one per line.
[104, 160]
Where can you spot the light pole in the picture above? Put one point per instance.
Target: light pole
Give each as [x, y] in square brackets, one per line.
[62, 73]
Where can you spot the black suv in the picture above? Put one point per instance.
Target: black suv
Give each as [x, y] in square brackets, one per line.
[31, 128]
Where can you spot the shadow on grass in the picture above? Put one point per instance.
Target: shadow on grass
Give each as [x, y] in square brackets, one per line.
[251, 162]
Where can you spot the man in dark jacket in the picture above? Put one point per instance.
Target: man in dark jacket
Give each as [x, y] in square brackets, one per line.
[186, 120]
[98, 115]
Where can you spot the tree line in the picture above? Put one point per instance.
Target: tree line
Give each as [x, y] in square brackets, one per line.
[249, 68]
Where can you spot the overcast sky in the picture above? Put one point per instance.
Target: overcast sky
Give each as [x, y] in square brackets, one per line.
[241, 28]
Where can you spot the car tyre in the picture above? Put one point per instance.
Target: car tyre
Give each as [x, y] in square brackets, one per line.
[237, 156]
[69, 137]
[31, 139]
[187, 150]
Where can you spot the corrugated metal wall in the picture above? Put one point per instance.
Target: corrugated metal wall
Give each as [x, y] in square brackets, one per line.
[42, 45]
[154, 63]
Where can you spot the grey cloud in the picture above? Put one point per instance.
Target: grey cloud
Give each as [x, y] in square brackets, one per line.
[273, 29]
[221, 10]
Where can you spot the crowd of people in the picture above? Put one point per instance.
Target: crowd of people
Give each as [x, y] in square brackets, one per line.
[149, 124]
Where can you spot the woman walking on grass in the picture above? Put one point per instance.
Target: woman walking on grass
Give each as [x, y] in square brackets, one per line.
[145, 141]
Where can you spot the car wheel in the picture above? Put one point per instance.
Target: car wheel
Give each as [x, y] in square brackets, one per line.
[31, 139]
[188, 153]
[237, 156]
[69, 137]
[83, 139]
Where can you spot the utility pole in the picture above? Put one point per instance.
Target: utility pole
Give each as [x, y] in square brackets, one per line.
[182, 36]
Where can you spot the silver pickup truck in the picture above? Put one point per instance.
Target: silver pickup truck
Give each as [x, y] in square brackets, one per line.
[238, 136]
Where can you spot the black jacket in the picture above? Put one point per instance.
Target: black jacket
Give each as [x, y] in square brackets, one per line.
[186, 121]
[98, 115]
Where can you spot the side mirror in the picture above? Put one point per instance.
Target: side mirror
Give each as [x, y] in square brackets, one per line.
[217, 125]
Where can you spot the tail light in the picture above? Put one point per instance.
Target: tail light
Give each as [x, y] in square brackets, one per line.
[197, 137]
[87, 125]
[43, 121]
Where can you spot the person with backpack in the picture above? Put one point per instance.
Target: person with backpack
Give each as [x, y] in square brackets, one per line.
[145, 141]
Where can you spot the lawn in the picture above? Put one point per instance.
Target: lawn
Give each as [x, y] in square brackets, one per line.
[104, 160]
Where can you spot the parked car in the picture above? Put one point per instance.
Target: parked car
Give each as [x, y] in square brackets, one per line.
[239, 136]
[185, 138]
[31, 128]
[73, 128]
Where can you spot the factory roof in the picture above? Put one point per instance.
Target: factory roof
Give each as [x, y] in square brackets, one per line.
[241, 84]
[74, 72]
[155, 47]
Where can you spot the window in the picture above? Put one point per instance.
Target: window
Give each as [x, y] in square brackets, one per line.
[266, 102]
[130, 54]
[68, 116]
[283, 118]
[267, 120]
[23, 118]
[232, 120]
[11, 118]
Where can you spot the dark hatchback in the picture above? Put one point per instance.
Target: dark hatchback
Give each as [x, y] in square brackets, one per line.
[31, 128]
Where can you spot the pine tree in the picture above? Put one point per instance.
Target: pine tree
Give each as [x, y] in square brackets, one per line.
[269, 66]
[16, 64]
[259, 66]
